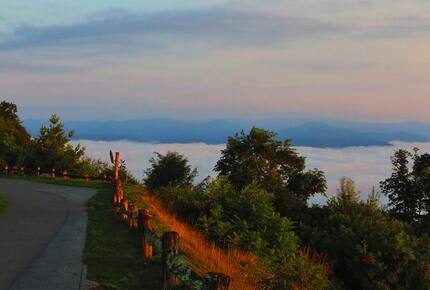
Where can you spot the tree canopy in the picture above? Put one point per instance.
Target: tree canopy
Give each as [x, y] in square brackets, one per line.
[408, 188]
[52, 148]
[274, 165]
[171, 169]
[14, 138]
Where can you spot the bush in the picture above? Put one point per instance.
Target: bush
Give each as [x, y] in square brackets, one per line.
[171, 169]
[369, 249]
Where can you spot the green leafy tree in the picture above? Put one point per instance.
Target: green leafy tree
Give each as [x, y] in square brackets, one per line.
[52, 148]
[172, 169]
[401, 189]
[369, 249]
[274, 165]
[14, 138]
[421, 173]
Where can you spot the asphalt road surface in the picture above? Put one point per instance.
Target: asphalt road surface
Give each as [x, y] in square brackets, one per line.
[42, 236]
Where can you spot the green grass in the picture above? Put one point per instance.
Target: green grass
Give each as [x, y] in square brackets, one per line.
[3, 203]
[112, 251]
[60, 181]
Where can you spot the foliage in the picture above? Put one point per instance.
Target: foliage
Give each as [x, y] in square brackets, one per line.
[246, 219]
[52, 148]
[369, 249]
[125, 174]
[306, 270]
[179, 267]
[408, 188]
[274, 165]
[171, 169]
[14, 139]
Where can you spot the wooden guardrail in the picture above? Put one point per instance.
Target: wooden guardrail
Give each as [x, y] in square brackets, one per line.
[172, 269]
[22, 171]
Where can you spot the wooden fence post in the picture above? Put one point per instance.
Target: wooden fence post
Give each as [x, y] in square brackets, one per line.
[145, 223]
[65, 175]
[124, 212]
[170, 243]
[119, 191]
[116, 173]
[133, 216]
[116, 203]
[216, 281]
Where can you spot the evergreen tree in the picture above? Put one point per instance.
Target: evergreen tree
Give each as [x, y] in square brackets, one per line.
[405, 198]
[52, 148]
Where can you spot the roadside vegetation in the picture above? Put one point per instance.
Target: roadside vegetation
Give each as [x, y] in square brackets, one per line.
[113, 251]
[258, 204]
[3, 203]
[51, 149]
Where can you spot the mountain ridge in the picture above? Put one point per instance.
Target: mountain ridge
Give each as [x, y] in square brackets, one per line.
[330, 134]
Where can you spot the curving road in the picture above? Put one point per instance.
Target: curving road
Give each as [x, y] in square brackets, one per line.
[42, 235]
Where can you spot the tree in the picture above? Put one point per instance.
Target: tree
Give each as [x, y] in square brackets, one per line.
[14, 138]
[171, 169]
[421, 175]
[347, 191]
[52, 148]
[405, 187]
[274, 165]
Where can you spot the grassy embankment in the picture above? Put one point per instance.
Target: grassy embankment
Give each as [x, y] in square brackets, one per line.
[3, 203]
[112, 251]
[202, 255]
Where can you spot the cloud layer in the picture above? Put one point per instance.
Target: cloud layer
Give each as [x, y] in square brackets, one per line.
[210, 25]
[344, 59]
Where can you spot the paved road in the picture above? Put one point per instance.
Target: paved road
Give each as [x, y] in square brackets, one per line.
[42, 235]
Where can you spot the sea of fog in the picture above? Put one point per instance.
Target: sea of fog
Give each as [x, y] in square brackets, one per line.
[366, 165]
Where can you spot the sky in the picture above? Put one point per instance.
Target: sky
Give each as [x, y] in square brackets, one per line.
[133, 59]
[367, 166]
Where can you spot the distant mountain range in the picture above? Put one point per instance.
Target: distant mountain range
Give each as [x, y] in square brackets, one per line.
[334, 134]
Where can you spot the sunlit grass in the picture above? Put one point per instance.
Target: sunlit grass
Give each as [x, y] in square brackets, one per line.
[60, 181]
[203, 255]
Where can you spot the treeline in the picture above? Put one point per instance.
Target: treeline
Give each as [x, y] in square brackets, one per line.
[259, 202]
[51, 149]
